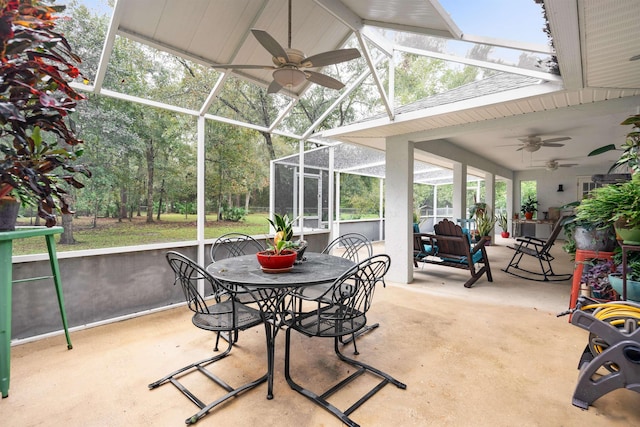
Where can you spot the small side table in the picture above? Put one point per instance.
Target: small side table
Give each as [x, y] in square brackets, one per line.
[581, 256]
[6, 283]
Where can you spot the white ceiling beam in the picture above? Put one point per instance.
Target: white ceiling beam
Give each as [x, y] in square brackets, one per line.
[355, 23]
[107, 48]
[482, 64]
[283, 114]
[376, 78]
[214, 93]
[510, 44]
[337, 102]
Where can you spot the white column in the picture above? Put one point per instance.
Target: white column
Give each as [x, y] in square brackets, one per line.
[200, 187]
[399, 209]
[459, 191]
[490, 193]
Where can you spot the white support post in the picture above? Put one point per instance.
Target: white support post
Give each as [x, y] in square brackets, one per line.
[399, 207]
[459, 191]
[200, 188]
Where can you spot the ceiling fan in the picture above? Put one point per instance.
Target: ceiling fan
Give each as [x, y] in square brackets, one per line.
[533, 143]
[291, 67]
[552, 165]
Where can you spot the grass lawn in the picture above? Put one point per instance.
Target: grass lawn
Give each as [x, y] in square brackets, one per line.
[171, 228]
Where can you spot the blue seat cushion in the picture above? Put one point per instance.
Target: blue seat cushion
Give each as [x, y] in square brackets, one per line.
[477, 257]
[429, 250]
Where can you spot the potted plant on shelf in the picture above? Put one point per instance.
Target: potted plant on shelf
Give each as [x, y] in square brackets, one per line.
[529, 206]
[503, 223]
[615, 205]
[633, 275]
[38, 145]
[596, 277]
[281, 254]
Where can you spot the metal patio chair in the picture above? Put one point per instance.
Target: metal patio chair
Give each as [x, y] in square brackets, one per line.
[340, 311]
[232, 245]
[222, 313]
[355, 247]
[540, 250]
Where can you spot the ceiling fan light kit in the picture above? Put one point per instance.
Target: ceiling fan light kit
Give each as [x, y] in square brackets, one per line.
[289, 77]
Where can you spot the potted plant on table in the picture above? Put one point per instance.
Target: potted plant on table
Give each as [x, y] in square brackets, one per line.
[38, 145]
[529, 206]
[281, 254]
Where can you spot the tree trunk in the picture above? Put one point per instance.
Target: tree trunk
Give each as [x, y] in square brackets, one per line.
[66, 238]
[150, 157]
[123, 204]
[160, 201]
[246, 201]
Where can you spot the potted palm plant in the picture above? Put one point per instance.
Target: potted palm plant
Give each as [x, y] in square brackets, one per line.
[38, 145]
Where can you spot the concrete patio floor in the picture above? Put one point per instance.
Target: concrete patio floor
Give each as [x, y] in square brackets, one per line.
[492, 355]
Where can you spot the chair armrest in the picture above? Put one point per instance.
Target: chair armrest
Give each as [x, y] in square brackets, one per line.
[531, 239]
[481, 244]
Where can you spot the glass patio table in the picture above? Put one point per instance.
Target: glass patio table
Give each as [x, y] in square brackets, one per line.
[270, 289]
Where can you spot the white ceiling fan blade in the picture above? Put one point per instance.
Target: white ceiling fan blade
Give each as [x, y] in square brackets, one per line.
[330, 58]
[568, 165]
[324, 80]
[551, 144]
[271, 44]
[561, 138]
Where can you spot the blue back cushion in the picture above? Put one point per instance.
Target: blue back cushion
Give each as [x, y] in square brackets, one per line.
[467, 233]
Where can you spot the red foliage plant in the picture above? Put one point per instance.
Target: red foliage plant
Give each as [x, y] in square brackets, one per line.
[36, 66]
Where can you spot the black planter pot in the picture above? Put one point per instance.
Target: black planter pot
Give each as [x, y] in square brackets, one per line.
[8, 214]
[595, 239]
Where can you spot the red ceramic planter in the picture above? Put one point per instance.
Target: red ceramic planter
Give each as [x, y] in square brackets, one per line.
[505, 234]
[271, 262]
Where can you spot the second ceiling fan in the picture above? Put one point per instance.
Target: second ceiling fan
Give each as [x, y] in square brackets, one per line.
[533, 143]
[291, 67]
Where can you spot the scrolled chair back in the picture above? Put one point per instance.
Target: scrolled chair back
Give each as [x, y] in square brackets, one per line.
[342, 308]
[233, 245]
[355, 246]
[188, 274]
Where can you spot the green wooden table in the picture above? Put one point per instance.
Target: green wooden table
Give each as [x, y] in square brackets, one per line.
[6, 282]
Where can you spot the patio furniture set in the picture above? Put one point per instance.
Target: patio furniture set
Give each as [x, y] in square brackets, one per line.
[324, 296]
